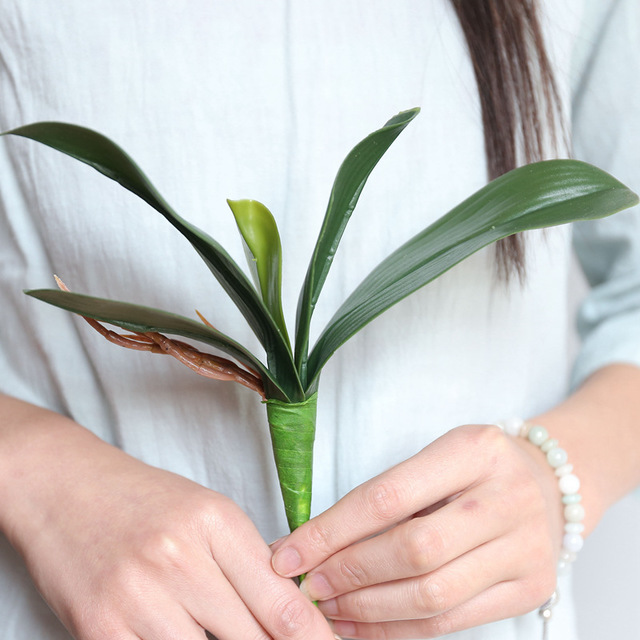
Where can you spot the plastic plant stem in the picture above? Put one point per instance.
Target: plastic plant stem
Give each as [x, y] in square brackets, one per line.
[293, 428]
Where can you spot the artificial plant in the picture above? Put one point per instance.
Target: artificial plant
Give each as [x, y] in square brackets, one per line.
[534, 196]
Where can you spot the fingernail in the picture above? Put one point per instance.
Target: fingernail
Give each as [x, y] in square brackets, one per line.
[286, 561]
[344, 628]
[328, 607]
[316, 587]
[277, 543]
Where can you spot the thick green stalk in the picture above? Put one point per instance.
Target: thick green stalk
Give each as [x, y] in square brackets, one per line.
[293, 430]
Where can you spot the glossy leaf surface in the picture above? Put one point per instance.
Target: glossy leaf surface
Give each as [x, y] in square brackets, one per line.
[347, 187]
[538, 195]
[264, 253]
[292, 427]
[137, 318]
[109, 159]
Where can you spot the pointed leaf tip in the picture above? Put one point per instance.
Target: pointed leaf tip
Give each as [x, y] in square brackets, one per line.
[347, 187]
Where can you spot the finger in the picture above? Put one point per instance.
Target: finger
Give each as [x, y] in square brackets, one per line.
[432, 594]
[176, 589]
[216, 606]
[504, 600]
[189, 603]
[275, 602]
[168, 621]
[417, 547]
[449, 465]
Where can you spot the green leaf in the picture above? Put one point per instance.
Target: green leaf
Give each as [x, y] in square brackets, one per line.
[134, 317]
[538, 195]
[109, 159]
[264, 253]
[349, 182]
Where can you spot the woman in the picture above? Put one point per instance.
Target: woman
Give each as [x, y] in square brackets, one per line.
[147, 531]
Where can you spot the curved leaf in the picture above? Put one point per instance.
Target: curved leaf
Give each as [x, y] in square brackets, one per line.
[538, 195]
[348, 184]
[105, 156]
[137, 318]
[264, 253]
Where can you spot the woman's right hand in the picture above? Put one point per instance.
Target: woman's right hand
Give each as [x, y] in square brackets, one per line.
[124, 551]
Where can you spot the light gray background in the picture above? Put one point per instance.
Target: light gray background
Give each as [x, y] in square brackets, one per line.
[607, 576]
[607, 572]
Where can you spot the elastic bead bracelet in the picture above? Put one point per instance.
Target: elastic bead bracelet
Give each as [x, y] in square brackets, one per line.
[568, 483]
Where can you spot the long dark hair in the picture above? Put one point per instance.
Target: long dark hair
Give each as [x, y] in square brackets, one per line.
[521, 110]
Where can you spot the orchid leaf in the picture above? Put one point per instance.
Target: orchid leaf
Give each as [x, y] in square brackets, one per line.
[264, 253]
[109, 159]
[137, 318]
[348, 184]
[542, 194]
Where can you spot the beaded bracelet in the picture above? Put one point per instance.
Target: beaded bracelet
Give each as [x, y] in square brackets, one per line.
[568, 483]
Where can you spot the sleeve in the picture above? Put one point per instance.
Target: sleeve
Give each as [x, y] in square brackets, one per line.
[606, 132]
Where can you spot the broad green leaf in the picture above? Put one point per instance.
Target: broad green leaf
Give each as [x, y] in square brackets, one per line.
[264, 253]
[538, 195]
[348, 185]
[134, 317]
[109, 159]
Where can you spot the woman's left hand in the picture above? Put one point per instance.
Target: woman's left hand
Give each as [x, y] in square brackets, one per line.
[466, 532]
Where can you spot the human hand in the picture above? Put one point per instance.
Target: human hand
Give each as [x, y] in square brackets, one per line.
[124, 551]
[466, 532]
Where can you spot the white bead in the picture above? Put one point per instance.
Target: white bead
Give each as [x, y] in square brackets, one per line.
[512, 426]
[537, 435]
[572, 542]
[557, 457]
[568, 556]
[569, 483]
[574, 512]
[564, 469]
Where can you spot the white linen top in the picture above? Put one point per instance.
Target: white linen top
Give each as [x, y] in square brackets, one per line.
[261, 100]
